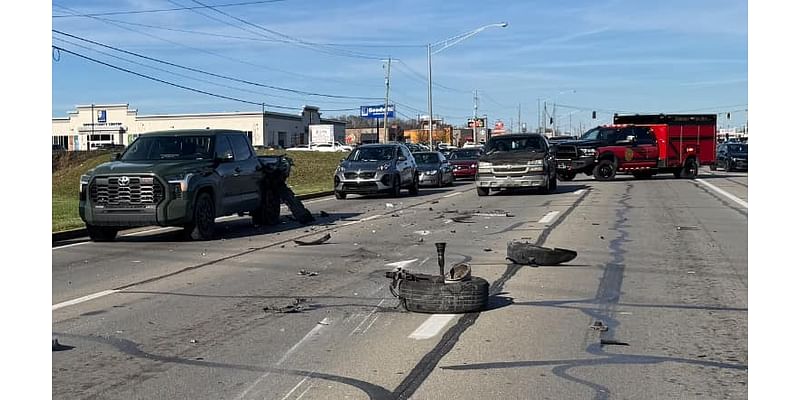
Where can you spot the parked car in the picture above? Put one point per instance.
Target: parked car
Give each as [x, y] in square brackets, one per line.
[731, 156]
[377, 168]
[434, 169]
[465, 162]
[323, 147]
[517, 161]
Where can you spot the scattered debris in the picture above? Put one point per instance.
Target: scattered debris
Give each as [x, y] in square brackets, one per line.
[324, 322]
[296, 306]
[323, 214]
[687, 228]
[435, 202]
[602, 238]
[459, 272]
[690, 272]
[420, 240]
[193, 341]
[307, 272]
[389, 205]
[60, 347]
[595, 223]
[612, 342]
[314, 242]
[452, 231]
[525, 253]
[430, 208]
[462, 219]
[423, 233]
[395, 215]
[487, 249]
[599, 326]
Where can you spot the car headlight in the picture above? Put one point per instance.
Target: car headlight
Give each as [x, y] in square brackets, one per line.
[473, 165]
[84, 182]
[434, 172]
[589, 152]
[536, 163]
[339, 169]
[181, 181]
[385, 166]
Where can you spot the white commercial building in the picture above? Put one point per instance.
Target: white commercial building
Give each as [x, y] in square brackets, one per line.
[91, 126]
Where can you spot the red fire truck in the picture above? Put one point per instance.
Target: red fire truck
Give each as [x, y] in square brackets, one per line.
[676, 143]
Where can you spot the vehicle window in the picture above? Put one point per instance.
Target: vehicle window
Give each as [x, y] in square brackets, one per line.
[169, 147]
[405, 151]
[383, 153]
[643, 136]
[426, 158]
[737, 148]
[468, 154]
[592, 134]
[223, 146]
[241, 149]
[322, 145]
[533, 144]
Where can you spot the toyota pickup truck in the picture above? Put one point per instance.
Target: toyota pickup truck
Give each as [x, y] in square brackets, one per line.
[184, 178]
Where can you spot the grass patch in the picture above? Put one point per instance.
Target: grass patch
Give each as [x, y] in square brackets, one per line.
[312, 173]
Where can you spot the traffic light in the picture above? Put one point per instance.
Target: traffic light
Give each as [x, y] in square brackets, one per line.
[729, 115]
[551, 120]
[594, 114]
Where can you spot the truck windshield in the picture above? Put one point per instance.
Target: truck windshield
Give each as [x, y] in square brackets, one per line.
[170, 148]
[426, 158]
[533, 144]
[737, 148]
[592, 134]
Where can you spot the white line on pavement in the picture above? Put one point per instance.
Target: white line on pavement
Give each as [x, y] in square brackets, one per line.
[549, 217]
[724, 193]
[295, 388]
[304, 392]
[451, 195]
[579, 192]
[82, 299]
[431, 326]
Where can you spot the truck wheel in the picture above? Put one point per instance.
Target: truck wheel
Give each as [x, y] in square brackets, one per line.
[434, 296]
[413, 190]
[483, 191]
[102, 233]
[689, 170]
[270, 211]
[605, 170]
[202, 225]
[566, 176]
[340, 195]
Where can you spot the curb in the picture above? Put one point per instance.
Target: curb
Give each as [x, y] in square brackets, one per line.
[78, 233]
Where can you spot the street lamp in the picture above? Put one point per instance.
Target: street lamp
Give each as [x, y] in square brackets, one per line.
[445, 44]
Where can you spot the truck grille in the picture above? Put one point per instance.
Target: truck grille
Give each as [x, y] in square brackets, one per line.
[139, 191]
[567, 151]
[362, 175]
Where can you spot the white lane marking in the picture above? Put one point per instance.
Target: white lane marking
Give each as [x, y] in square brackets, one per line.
[295, 388]
[362, 220]
[549, 217]
[322, 324]
[431, 326]
[724, 193]
[82, 299]
[147, 231]
[69, 245]
[401, 264]
[304, 392]
[370, 324]
[579, 192]
[451, 195]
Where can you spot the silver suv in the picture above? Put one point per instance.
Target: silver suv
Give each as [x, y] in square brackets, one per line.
[377, 168]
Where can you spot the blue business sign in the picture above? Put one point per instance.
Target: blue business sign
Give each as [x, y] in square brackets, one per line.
[376, 111]
[101, 116]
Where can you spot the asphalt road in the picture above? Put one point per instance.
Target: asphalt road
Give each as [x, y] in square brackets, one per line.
[662, 263]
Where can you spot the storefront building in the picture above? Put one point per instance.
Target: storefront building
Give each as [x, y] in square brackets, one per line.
[92, 126]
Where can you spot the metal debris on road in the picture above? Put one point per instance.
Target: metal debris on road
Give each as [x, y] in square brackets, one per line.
[307, 272]
[314, 242]
[389, 205]
[423, 232]
[525, 253]
[193, 341]
[296, 307]
[487, 249]
[599, 326]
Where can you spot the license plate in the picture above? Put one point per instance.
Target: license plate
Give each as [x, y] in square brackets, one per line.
[562, 165]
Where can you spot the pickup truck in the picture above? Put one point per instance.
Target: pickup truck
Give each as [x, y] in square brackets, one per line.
[184, 178]
[517, 161]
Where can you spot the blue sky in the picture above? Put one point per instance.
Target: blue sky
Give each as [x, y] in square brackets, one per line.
[623, 56]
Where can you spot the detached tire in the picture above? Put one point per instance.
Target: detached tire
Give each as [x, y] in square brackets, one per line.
[102, 233]
[437, 297]
[202, 225]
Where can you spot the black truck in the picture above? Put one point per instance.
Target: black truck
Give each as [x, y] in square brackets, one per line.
[578, 156]
[185, 178]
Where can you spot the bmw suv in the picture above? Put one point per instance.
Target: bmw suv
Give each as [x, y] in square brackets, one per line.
[377, 168]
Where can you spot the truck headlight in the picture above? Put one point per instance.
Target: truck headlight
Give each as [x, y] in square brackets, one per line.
[180, 181]
[484, 167]
[536, 163]
[589, 152]
[84, 182]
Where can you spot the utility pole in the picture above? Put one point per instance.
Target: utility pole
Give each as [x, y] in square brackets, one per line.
[519, 117]
[430, 101]
[538, 116]
[475, 118]
[386, 104]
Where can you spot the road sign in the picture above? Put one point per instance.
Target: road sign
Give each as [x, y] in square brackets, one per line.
[476, 123]
[376, 111]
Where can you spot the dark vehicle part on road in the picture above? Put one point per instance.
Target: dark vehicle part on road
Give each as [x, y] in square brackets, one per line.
[60, 347]
[525, 253]
[731, 156]
[517, 161]
[434, 169]
[423, 293]
[377, 168]
[186, 178]
[321, 240]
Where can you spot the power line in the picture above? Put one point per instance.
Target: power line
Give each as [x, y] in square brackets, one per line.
[165, 9]
[187, 87]
[215, 74]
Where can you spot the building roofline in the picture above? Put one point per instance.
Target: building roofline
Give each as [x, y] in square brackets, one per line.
[126, 105]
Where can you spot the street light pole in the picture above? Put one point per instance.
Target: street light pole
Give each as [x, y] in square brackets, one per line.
[445, 44]
[386, 104]
[430, 100]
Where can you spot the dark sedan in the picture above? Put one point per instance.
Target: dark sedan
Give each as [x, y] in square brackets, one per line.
[434, 169]
[465, 162]
[731, 156]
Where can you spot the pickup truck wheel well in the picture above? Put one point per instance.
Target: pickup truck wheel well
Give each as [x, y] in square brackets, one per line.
[210, 191]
